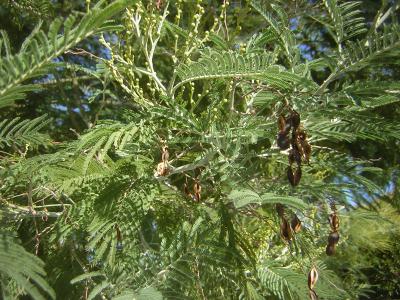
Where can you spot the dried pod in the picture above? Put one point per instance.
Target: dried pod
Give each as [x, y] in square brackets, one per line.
[286, 231]
[297, 176]
[312, 278]
[295, 119]
[301, 134]
[330, 249]
[313, 295]
[306, 150]
[281, 123]
[280, 209]
[294, 156]
[197, 191]
[290, 175]
[333, 238]
[334, 221]
[282, 140]
[296, 224]
[165, 154]
[162, 169]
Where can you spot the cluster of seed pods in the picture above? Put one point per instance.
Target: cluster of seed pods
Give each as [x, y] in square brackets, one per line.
[287, 229]
[292, 135]
[333, 237]
[312, 280]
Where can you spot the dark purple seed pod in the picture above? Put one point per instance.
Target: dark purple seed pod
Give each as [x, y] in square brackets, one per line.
[280, 209]
[286, 231]
[330, 249]
[297, 176]
[282, 140]
[333, 237]
[290, 176]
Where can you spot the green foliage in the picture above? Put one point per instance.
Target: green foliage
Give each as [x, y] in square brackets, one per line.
[167, 181]
[21, 267]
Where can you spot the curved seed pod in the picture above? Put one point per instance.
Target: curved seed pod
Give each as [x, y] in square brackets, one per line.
[313, 295]
[197, 191]
[280, 209]
[165, 154]
[302, 135]
[281, 123]
[297, 176]
[290, 175]
[334, 221]
[286, 231]
[294, 156]
[295, 119]
[312, 278]
[282, 140]
[330, 249]
[333, 238]
[296, 224]
[306, 150]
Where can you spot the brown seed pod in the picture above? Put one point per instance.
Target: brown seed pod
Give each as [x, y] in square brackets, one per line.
[290, 175]
[294, 156]
[162, 169]
[295, 119]
[313, 295]
[312, 278]
[197, 191]
[297, 176]
[333, 238]
[330, 249]
[280, 209]
[334, 221]
[286, 231]
[306, 150]
[281, 123]
[296, 224]
[119, 235]
[282, 140]
[165, 154]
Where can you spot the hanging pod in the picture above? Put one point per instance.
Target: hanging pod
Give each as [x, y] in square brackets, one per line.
[330, 249]
[296, 224]
[280, 209]
[295, 119]
[312, 278]
[282, 123]
[165, 154]
[286, 231]
[333, 238]
[313, 295]
[297, 175]
[282, 140]
[197, 191]
[294, 156]
[334, 221]
[290, 175]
